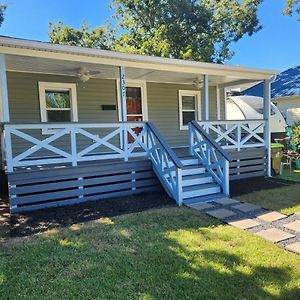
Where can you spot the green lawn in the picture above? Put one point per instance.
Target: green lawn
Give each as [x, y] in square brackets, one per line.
[169, 253]
[292, 176]
[285, 199]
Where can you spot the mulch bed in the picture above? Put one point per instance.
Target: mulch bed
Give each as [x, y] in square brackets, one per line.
[29, 223]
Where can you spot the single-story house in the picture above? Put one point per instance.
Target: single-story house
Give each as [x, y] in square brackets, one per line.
[83, 124]
[285, 93]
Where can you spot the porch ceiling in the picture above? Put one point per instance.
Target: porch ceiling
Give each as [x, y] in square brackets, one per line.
[27, 64]
[41, 57]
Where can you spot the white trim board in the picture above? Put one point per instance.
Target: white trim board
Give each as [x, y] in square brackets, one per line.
[58, 86]
[198, 105]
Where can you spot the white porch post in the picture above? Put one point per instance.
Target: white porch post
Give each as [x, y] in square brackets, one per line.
[4, 108]
[123, 108]
[123, 94]
[206, 97]
[267, 134]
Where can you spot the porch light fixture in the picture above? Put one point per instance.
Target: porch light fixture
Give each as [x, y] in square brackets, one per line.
[84, 74]
[198, 83]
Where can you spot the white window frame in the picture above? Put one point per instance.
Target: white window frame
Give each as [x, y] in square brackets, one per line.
[197, 106]
[134, 83]
[57, 86]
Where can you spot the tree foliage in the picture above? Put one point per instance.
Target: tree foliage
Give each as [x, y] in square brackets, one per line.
[188, 29]
[200, 30]
[84, 37]
[2, 12]
[292, 6]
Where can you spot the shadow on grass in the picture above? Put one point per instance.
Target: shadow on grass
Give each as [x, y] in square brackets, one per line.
[24, 224]
[268, 193]
[162, 254]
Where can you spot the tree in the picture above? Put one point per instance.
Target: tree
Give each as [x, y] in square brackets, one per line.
[84, 37]
[2, 12]
[291, 7]
[200, 30]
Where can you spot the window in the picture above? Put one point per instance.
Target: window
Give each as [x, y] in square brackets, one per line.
[58, 102]
[189, 107]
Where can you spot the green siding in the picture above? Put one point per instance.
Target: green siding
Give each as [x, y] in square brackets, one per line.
[24, 97]
[162, 100]
[163, 110]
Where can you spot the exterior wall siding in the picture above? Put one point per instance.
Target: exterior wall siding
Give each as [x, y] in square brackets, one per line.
[162, 102]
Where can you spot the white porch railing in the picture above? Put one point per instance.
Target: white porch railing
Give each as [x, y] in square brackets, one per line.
[236, 134]
[118, 140]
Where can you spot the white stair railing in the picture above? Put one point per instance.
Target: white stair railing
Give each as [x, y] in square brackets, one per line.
[165, 163]
[210, 154]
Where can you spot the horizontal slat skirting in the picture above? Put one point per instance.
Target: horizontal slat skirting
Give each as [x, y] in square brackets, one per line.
[247, 169]
[82, 191]
[28, 177]
[248, 153]
[248, 162]
[82, 182]
[247, 175]
[70, 185]
[88, 198]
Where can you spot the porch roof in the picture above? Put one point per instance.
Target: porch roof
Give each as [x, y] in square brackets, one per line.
[42, 57]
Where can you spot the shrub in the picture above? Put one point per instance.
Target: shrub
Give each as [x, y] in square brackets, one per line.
[296, 135]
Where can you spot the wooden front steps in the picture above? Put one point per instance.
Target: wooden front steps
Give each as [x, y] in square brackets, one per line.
[197, 184]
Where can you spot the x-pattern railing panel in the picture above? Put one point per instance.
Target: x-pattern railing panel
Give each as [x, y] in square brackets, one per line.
[107, 135]
[236, 134]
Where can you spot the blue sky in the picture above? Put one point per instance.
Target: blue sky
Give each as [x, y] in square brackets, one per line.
[276, 46]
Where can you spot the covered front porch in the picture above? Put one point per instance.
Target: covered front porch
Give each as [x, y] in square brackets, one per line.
[161, 121]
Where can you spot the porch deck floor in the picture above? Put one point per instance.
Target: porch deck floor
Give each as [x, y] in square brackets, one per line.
[181, 152]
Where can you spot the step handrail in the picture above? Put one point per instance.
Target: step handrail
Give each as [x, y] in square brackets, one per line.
[206, 149]
[224, 153]
[164, 144]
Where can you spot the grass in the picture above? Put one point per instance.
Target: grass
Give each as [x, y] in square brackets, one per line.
[285, 199]
[286, 175]
[170, 253]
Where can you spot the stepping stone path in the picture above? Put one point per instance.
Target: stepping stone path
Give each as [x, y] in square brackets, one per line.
[270, 225]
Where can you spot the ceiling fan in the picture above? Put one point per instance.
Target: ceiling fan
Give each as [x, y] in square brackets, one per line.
[84, 74]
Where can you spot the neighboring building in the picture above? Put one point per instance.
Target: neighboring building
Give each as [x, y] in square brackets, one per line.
[83, 124]
[285, 91]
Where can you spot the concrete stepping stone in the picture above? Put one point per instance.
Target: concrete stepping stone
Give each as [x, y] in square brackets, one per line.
[221, 213]
[271, 216]
[293, 225]
[201, 206]
[274, 235]
[295, 247]
[244, 223]
[246, 207]
[226, 201]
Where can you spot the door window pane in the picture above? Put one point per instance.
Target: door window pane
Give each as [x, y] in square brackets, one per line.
[133, 100]
[58, 99]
